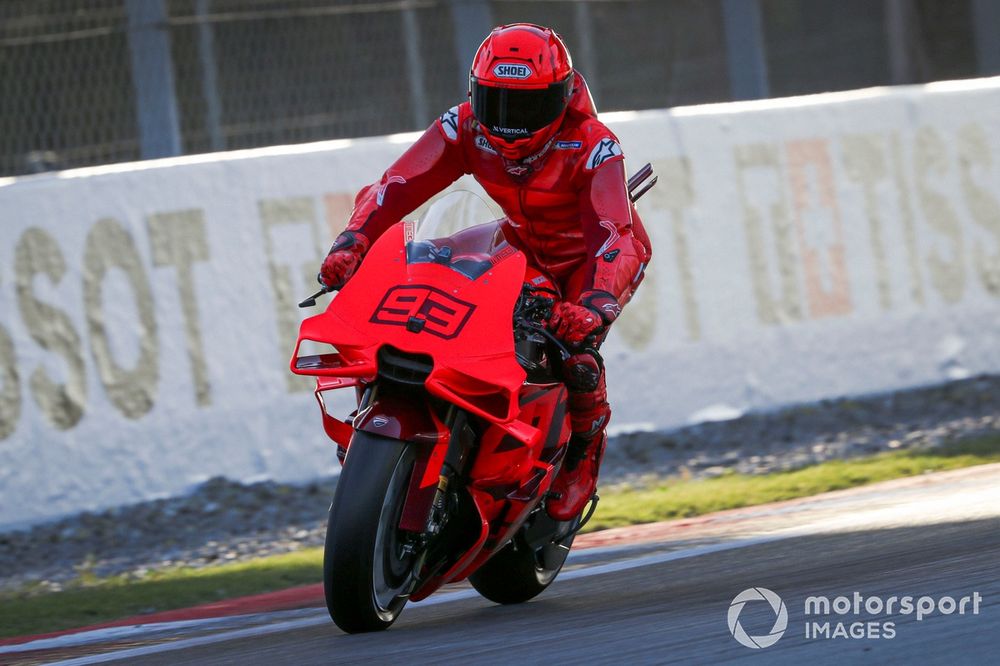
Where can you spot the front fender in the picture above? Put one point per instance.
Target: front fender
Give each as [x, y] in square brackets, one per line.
[402, 418]
[411, 420]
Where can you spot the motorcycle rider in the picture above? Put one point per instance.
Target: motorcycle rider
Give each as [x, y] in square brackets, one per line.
[530, 136]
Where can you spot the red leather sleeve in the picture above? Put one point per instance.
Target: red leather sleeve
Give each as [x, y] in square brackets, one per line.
[426, 168]
[614, 255]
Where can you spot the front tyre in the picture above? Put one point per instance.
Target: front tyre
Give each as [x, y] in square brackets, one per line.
[529, 563]
[366, 569]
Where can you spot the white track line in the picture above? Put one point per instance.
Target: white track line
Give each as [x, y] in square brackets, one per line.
[139, 631]
[321, 617]
[670, 556]
[152, 629]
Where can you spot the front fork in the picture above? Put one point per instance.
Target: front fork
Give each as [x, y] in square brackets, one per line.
[441, 434]
[456, 452]
[431, 499]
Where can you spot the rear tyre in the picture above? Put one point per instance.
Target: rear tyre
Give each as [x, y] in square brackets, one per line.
[366, 571]
[527, 565]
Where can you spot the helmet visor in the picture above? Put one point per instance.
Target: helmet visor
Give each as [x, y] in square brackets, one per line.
[514, 113]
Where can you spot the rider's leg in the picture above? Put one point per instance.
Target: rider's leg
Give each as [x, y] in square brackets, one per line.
[589, 413]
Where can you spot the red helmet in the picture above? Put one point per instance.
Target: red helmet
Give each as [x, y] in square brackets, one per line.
[520, 85]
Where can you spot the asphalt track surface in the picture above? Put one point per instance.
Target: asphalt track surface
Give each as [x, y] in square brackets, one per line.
[666, 600]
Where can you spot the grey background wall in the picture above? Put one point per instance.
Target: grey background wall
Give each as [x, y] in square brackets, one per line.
[87, 82]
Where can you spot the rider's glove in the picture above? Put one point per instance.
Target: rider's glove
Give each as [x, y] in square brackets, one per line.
[343, 260]
[576, 322]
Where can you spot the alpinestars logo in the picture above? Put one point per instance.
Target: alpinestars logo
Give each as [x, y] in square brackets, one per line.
[603, 152]
[449, 123]
[521, 167]
[511, 71]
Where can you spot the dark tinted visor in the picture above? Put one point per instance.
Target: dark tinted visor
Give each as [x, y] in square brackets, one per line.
[513, 113]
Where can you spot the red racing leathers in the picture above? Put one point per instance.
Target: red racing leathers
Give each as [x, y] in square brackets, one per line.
[567, 209]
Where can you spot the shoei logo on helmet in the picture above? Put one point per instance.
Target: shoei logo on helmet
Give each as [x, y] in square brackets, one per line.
[511, 71]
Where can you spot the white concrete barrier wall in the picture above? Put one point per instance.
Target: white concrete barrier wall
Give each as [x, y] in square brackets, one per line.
[804, 249]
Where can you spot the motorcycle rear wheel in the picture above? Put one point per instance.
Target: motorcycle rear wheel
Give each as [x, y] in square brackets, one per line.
[523, 568]
[366, 572]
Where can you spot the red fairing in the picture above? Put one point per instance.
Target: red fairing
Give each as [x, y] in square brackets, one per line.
[457, 316]
[503, 459]
[473, 347]
[567, 207]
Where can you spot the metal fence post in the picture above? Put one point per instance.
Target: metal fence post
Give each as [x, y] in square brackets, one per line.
[986, 24]
[745, 54]
[153, 79]
[588, 59]
[415, 69]
[899, 34]
[209, 77]
[471, 21]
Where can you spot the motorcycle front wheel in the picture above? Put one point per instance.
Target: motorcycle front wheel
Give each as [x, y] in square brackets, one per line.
[527, 565]
[366, 566]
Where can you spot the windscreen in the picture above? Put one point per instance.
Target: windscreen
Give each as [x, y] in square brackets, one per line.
[459, 231]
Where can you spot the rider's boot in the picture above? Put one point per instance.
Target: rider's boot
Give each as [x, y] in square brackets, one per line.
[577, 479]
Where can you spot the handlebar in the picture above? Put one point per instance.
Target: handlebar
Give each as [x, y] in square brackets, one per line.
[538, 328]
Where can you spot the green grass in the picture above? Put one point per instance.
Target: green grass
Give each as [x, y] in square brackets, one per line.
[90, 600]
[685, 499]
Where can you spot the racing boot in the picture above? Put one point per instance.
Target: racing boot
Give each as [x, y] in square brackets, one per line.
[577, 479]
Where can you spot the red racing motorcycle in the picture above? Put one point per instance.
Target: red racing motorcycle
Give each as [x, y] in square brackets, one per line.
[460, 426]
